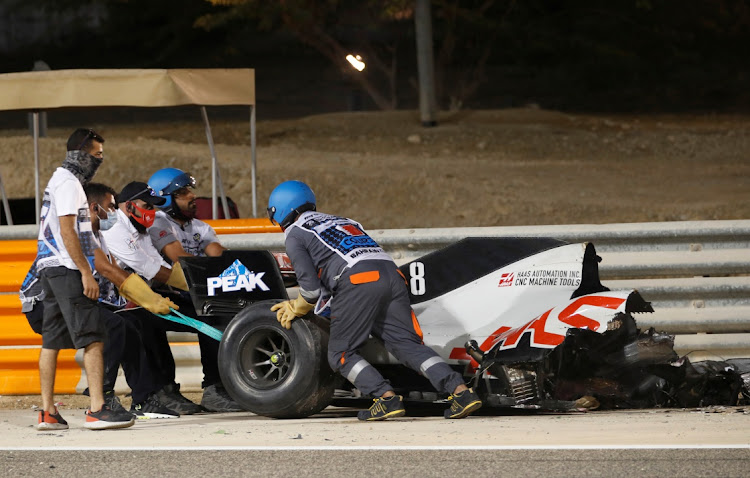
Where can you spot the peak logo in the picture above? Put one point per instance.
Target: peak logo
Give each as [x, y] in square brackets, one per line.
[234, 278]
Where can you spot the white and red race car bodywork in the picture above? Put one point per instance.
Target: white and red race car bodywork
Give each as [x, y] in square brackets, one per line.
[525, 320]
[533, 295]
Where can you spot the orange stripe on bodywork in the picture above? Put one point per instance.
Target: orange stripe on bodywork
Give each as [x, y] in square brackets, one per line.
[364, 277]
[417, 328]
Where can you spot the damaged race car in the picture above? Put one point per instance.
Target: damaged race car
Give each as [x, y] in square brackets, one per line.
[526, 321]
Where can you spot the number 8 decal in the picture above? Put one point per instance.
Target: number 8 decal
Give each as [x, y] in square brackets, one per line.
[416, 272]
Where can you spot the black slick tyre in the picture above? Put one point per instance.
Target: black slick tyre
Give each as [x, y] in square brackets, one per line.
[276, 372]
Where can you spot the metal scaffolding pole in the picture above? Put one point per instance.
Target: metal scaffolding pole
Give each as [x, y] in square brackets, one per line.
[6, 206]
[215, 174]
[252, 158]
[35, 127]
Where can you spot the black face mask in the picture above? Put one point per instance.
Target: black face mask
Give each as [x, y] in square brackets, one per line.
[82, 164]
[177, 213]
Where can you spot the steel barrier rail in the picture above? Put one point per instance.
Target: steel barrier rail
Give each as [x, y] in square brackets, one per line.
[407, 244]
[23, 231]
[626, 265]
[696, 274]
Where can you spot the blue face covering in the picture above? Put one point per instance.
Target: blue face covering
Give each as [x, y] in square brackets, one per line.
[111, 220]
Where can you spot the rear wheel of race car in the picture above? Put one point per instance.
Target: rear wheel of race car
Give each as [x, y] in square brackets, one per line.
[276, 372]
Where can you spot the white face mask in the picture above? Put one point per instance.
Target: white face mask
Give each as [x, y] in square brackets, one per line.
[111, 220]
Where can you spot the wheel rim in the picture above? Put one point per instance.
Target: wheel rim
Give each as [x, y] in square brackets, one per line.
[266, 358]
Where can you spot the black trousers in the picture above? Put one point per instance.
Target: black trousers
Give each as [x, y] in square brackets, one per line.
[128, 345]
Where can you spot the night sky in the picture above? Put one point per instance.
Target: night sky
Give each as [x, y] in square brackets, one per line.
[585, 55]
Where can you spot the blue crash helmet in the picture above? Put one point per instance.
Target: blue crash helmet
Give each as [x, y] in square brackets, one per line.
[289, 199]
[168, 180]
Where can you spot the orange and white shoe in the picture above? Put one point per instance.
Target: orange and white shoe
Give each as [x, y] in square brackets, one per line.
[51, 421]
[106, 418]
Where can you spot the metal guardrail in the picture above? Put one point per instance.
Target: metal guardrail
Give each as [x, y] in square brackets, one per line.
[696, 274]
[24, 231]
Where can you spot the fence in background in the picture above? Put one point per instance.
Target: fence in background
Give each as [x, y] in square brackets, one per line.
[696, 274]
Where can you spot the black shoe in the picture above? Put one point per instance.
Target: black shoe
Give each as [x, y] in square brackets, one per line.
[383, 408]
[113, 402]
[463, 404]
[170, 397]
[107, 418]
[152, 408]
[216, 399]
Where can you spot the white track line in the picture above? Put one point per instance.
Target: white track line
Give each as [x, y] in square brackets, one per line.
[383, 448]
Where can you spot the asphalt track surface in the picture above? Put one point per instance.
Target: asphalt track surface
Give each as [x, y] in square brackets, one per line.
[663, 443]
[378, 463]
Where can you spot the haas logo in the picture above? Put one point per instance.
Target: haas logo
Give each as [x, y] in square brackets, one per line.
[506, 280]
[234, 278]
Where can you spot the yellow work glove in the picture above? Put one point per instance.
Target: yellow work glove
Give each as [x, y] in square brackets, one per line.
[177, 277]
[136, 290]
[289, 310]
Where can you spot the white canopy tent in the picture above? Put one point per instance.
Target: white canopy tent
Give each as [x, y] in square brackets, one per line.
[43, 90]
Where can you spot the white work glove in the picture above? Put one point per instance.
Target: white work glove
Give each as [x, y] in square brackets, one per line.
[289, 310]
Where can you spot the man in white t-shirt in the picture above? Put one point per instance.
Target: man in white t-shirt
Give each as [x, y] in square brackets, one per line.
[127, 342]
[65, 256]
[132, 348]
[130, 245]
[177, 233]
